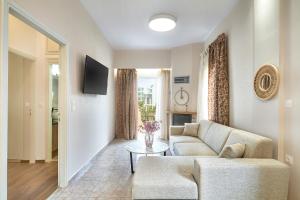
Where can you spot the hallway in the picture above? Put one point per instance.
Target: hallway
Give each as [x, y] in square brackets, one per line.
[31, 181]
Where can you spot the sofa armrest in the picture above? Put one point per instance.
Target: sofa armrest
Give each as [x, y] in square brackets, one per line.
[247, 179]
[176, 130]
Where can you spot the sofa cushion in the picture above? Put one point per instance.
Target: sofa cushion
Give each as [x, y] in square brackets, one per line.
[233, 151]
[176, 130]
[182, 139]
[193, 149]
[203, 128]
[216, 136]
[241, 179]
[191, 129]
[256, 146]
[164, 178]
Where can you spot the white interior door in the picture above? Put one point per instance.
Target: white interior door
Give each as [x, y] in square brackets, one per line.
[20, 103]
[28, 111]
[15, 107]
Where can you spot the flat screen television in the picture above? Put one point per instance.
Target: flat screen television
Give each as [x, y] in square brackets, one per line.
[95, 77]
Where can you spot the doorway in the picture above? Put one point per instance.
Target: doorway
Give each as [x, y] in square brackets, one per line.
[31, 55]
[53, 111]
[12, 8]
[149, 94]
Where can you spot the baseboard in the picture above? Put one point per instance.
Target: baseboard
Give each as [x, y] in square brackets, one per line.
[14, 160]
[73, 176]
[25, 161]
[40, 161]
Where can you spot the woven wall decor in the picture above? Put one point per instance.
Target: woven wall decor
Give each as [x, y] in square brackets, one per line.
[266, 82]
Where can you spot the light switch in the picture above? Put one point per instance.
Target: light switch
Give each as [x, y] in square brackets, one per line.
[289, 159]
[289, 103]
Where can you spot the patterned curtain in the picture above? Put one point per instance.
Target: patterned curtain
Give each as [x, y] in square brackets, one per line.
[126, 104]
[218, 81]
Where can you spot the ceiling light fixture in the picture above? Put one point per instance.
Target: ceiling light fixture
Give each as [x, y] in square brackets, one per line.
[162, 22]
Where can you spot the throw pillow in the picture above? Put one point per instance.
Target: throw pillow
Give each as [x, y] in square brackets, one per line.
[233, 151]
[191, 129]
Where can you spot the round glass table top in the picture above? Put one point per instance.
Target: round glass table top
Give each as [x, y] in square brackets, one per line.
[140, 147]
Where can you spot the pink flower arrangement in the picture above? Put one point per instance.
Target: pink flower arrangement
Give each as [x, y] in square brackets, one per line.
[149, 127]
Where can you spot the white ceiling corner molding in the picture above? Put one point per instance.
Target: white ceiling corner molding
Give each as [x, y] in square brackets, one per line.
[125, 23]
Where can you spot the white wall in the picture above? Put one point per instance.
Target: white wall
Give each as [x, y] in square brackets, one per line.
[91, 124]
[266, 117]
[183, 60]
[252, 29]
[291, 31]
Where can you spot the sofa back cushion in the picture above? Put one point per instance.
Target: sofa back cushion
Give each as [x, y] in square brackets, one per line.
[216, 136]
[203, 128]
[233, 151]
[256, 146]
[191, 129]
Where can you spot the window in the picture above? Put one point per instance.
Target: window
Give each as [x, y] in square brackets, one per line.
[147, 98]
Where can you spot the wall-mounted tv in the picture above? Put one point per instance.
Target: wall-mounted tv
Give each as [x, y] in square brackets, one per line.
[95, 77]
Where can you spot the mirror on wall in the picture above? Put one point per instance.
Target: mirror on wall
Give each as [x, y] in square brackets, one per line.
[266, 82]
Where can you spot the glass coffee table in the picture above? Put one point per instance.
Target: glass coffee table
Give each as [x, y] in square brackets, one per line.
[139, 147]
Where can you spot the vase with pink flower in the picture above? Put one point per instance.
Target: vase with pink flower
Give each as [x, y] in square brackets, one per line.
[149, 128]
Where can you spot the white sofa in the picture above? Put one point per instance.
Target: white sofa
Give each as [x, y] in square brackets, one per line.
[196, 172]
[213, 137]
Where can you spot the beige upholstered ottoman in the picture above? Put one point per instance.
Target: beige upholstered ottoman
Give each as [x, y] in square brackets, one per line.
[164, 178]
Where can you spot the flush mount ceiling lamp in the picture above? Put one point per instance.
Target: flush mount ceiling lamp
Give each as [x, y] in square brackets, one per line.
[162, 22]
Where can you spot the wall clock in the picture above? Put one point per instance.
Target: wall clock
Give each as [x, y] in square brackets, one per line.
[182, 97]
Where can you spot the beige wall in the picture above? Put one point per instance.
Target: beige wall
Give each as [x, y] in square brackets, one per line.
[252, 29]
[91, 121]
[185, 61]
[291, 31]
[142, 58]
[17, 32]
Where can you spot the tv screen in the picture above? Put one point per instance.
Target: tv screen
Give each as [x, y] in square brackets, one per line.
[95, 77]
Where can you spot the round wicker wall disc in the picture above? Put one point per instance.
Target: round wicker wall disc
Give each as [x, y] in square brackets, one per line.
[266, 82]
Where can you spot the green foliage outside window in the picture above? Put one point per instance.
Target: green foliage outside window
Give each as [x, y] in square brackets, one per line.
[147, 111]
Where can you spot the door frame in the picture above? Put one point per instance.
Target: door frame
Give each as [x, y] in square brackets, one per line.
[7, 8]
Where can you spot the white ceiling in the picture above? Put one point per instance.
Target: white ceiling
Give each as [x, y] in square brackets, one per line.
[124, 23]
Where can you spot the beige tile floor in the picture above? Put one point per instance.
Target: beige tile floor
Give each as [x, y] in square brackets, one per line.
[107, 177]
